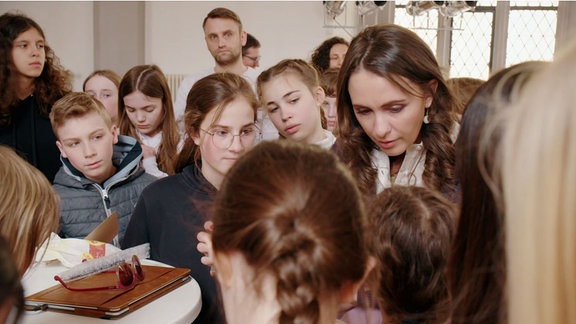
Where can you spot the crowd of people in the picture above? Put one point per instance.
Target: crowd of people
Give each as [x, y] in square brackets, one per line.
[359, 185]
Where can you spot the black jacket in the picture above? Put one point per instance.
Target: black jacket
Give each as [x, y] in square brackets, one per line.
[30, 134]
[169, 214]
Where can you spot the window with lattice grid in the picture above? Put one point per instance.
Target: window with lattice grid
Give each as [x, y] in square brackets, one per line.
[530, 34]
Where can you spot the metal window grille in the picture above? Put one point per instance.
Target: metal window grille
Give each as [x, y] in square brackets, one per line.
[528, 32]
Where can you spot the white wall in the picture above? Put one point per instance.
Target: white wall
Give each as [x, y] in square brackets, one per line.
[286, 29]
[68, 27]
[173, 35]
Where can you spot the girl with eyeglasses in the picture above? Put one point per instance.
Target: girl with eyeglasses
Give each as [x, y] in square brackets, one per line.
[220, 125]
[291, 95]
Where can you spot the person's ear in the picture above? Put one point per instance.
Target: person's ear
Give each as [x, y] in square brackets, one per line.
[320, 95]
[223, 269]
[244, 38]
[432, 87]
[349, 290]
[195, 135]
[61, 148]
[114, 131]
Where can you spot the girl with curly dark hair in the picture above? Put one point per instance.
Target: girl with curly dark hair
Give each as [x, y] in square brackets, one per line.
[31, 80]
[329, 54]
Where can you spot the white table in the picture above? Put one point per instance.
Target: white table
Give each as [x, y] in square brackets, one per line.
[181, 305]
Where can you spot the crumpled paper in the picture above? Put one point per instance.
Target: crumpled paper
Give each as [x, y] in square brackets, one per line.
[72, 251]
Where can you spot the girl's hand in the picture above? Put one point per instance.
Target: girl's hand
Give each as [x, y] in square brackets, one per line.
[148, 151]
[205, 245]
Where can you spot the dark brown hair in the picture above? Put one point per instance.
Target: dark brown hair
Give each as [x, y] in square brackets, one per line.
[53, 83]
[251, 41]
[212, 92]
[477, 268]
[320, 58]
[396, 53]
[150, 80]
[412, 228]
[222, 13]
[270, 209]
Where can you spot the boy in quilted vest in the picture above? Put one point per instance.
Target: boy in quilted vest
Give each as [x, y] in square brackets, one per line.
[100, 172]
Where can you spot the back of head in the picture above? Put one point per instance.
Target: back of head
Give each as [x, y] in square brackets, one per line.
[223, 13]
[412, 231]
[75, 105]
[539, 184]
[463, 89]
[477, 265]
[293, 211]
[211, 92]
[29, 209]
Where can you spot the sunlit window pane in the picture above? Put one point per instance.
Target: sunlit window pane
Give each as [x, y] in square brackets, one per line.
[531, 35]
[426, 25]
[471, 43]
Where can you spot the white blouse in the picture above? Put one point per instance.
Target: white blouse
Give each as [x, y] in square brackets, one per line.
[411, 170]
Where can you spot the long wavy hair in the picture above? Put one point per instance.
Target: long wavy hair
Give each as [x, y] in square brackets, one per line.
[396, 53]
[29, 208]
[411, 229]
[270, 210]
[151, 81]
[477, 267]
[320, 58]
[52, 84]
[215, 91]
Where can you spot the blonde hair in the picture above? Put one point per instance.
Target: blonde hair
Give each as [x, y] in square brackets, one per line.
[108, 74]
[29, 209]
[538, 173]
[74, 105]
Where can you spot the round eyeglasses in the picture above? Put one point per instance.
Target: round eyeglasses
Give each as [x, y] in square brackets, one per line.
[253, 59]
[223, 138]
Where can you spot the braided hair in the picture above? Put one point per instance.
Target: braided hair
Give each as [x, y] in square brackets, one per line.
[294, 212]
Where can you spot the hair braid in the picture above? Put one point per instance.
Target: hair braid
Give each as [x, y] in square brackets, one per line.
[297, 285]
